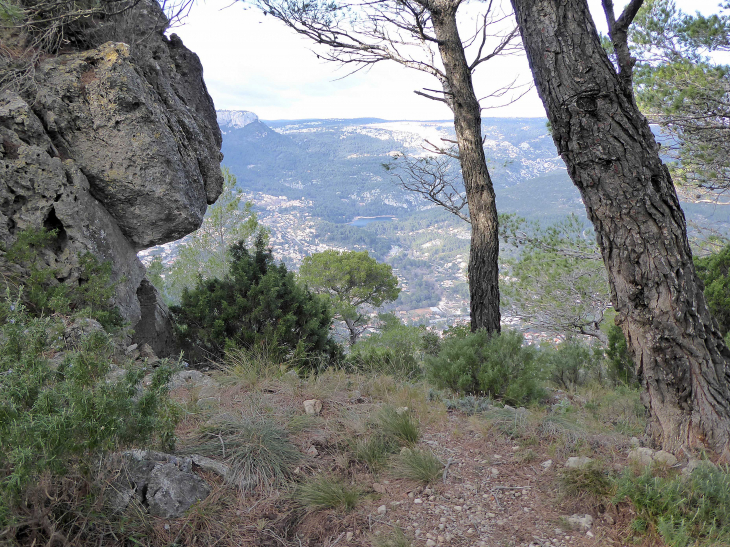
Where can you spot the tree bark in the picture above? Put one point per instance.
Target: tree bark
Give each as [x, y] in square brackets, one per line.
[459, 93]
[613, 159]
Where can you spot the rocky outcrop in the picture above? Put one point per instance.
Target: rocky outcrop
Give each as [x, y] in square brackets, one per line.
[164, 485]
[118, 150]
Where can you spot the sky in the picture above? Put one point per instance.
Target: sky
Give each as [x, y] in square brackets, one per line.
[254, 62]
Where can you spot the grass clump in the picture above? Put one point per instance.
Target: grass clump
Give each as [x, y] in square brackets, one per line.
[499, 366]
[416, 465]
[259, 453]
[321, 493]
[396, 538]
[590, 481]
[399, 424]
[373, 451]
[692, 510]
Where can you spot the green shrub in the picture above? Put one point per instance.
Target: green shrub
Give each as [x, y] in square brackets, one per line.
[41, 293]
[621, 367]
[416, 465]
[573, 363]
[257, 304]
[327, 493]
[396, 350]
[57, 420]
[693, 510]
[399, 424]
[496, 366]
[258, 452]
[714, 271]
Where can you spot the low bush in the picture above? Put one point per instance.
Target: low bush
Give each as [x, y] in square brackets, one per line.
[496, 366]
[573, 363]
[56, 420]
[36, 285]
[396, 350]
[590, 481]
[692, 510]
[258, 452]
[321, 493]
[416, 465]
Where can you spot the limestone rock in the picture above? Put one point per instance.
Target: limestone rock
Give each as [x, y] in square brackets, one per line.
[582, 522]
[172, 491]
[118, 149]
[195, 380]
[576, 462]
[313, 407]
[162, 484]
[646, 456]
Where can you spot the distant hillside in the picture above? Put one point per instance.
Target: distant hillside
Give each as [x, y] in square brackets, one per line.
[337, 164]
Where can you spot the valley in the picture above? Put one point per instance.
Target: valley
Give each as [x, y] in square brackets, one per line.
[333, 184]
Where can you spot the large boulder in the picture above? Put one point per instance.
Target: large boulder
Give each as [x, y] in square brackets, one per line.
[118, 149]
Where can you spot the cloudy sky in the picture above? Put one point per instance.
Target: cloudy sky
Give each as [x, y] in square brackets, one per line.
[253, 62]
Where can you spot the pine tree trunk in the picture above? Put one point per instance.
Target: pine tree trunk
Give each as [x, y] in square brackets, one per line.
[484, 252]
[613, 159]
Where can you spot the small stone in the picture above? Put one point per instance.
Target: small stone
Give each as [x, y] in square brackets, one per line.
[430, 543]
[610, 520]
[312, 451]
[642, 455]
[494, 471]
[457, 507]
[634, 442]
[418, 501]
[382, 510]
[379, 488]
[589, 534]
[584, 522]
[401, 410]
[490, 515]
[547, 464]
[665, 457]
[576, 462]
[349, 536]
[313, 407]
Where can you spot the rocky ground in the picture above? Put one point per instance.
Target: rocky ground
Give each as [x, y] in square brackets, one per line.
[502, 483]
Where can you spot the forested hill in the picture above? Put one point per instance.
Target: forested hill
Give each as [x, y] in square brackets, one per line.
[338, 165]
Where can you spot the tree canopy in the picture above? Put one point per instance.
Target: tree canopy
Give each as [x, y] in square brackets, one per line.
[424, 35]
[204, 254]
[351, 280]
[680, 86]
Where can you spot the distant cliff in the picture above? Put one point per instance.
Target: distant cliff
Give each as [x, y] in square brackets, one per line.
[236, 119]
[118, 149]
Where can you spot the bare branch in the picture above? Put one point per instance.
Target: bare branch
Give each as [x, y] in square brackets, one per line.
[437, 179]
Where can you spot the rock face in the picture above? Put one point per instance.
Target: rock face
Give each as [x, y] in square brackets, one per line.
[118, 150]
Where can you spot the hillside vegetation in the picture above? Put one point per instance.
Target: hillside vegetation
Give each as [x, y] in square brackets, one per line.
[409, 438]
